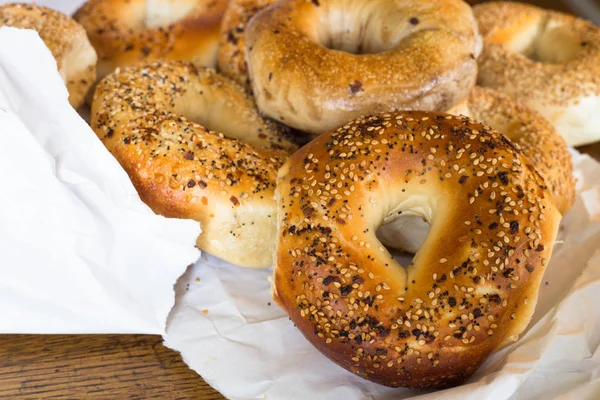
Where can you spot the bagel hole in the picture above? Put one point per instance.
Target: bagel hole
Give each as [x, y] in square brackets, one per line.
[403, 237]
[556, 45]
[547, 42]
[349, 42]
[365, 31]
[161, 13]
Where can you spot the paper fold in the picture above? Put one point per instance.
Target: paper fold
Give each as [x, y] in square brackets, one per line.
[79, 251]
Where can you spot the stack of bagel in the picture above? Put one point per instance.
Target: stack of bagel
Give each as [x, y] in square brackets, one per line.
[301, 133]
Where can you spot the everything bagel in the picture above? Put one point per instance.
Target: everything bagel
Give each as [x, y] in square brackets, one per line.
[66, 39]
[548, 60]
[231, 58]
[314, 65]
[195, 147]
[473, 284]
[127, 32]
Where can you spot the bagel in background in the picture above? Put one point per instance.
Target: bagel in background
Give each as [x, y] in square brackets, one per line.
[128, 32]
[548, 60]
[67, 41]
[315, 65]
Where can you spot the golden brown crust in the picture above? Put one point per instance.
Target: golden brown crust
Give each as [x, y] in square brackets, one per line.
[412, 55]
[548, 60]
[144, 115]
[66, 39]
[471, 287]
[120, 33]
[536, 137]
[231, 57]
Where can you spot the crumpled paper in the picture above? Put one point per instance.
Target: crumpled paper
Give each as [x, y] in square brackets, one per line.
[79, 251]
[93, 258]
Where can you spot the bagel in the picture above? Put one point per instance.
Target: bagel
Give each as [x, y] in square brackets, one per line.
[231, 56]
[314, 65]
[472, 286]
[195, 147]
[536, 137]
[66, 39]
[127, 32]
[548, 60]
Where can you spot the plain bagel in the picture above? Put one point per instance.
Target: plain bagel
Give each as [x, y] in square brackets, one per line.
[314, 65]
[67, 41]
[127, 32]
[195, 147]
[548, 60]
[472, 286]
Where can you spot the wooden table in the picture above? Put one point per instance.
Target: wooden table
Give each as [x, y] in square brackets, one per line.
[96, 366]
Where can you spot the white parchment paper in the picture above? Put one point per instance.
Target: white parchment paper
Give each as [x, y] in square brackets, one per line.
[80, 253]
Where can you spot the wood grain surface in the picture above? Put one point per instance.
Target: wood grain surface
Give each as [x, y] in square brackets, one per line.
[95, 367]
